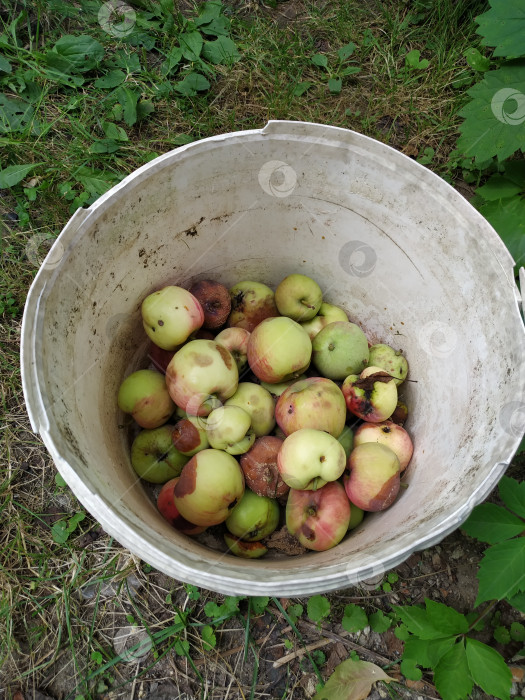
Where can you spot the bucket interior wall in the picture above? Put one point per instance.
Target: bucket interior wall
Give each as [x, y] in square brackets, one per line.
[406, 257]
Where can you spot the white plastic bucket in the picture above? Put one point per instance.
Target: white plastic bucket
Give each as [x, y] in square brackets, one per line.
[407, 257]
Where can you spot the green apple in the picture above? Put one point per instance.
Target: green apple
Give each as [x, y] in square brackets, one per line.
[340, 349]
[252, 302]
[328, 313]
[347, 440]
[254, 517]
[299, 297]
[393, 361]
[210, 486]
[309, 458]
[356, 516]
[259, 405]
[170, 316]
[154, 457]
[144, 394]
[279, 349]
[229, 429]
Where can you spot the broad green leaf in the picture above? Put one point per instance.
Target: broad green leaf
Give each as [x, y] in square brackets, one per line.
[501, 571]
[191, 45]
[110, 80]
[181, 647]
[503, 26]
[402, 632]
[128, 99]
[105, 146]
[220, 26]
[173, 58]
[95, 182]
[518, 601]
[502, 634]
[410, 670]
[511, 491]
[13, 174]
[379, 622]
[417, 622]
[517, 632]
[350, 70]
[75, 520]
[301, 88]
[144, 39]
[82, 51]
[451, 675]
[320, 60]
[495, 117]
[476, 60]
[5, 66]
[259, 604]
[427, 652]
[208, 637]
[352, 680]
[318, 608]
[113, 131]
[491, 523]
[412, 60]
[294, 612]
[354, 619]
[222, 50]
[182, 140]
[508, 218]
[59, 532]
[16, 115]
[346, 51]
[445, 619]
[209, 12]
[211, 609]
[488, 669]
[192, 83]
[498, 187]
[335, 85]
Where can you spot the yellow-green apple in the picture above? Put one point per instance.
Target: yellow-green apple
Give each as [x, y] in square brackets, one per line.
[319, 519]
[328, 313]
[170, 316]
[252, 302]
[236, 341]
[144, 394]
[277, 389]
[201, 375]
[356, 516]
[314, 402]
[389, 434]
[245, 550]
[210, 486]
[340, 349]
[279, 349]
[214, 298]
[189, 435]
[347, 440]
[373, 482]
[299, 297]
[154, 457]
[258, 403]
[254, 517]
[229, 429]
[372, 396]
[166, 506]
[392, 361]
[260, 469]
[309, 458]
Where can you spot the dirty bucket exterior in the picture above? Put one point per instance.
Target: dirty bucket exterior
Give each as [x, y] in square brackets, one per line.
[399, 249]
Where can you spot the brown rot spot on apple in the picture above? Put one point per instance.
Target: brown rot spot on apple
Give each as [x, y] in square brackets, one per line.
[226, 356]
[290, 409]
[187, 480]
[307, 531]
[202, 360]
[185, 436]
[232, 505]
[215, 300]
[331, 347]
[160, 322]
[386, 429]
[322, 458]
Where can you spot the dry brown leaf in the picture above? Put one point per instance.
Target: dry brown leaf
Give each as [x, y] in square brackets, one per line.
[352, 680]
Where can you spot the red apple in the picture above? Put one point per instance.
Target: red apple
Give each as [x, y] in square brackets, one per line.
[389, 434]
[279, 349]
[316, 403]
[144, 394]
[252, 302]
[372, 397]
[373, 482]
[167, 508]
[160, 358]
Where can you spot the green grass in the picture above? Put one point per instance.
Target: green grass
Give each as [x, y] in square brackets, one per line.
[51, 636]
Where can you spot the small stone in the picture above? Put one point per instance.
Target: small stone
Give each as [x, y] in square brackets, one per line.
[457, 553]
[514, 690]
[517, 673]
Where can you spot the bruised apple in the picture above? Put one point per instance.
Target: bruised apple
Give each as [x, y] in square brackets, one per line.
[236, 341]
[319, 519]
[258, 403]
[245, 550]
[372, 396]
[392, 361]
[170, 316]
[144, 394]
[209, 487]
[314, 402]
[373, 482]
[389, 434]
[189, 435]
[260, 469]
[279, 349]
[167, 508]
[214, 298]
[251, 302]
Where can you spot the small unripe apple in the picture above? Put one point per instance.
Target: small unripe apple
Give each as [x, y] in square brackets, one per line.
[144, 394]
[260, 468]
[167, 508]
[254, 517]
[279, 349]
[347, 440]
[373, 482]
[389, 434]
[245, 550]
[277, 389]
[228, 429]
[314, 402]
[210, 486]
[252, 302]
[309, 458]
[214, 298]
[390, 360]
[259, 405]
[328, 313]
[236, 341]
[340, 349]
[189, 435]
[154, 457]
[319, 519]
[299, 297]
[356, 516]
[372, 397]
[170, 316]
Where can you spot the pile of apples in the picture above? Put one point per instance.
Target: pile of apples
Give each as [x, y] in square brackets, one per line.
[236, 451]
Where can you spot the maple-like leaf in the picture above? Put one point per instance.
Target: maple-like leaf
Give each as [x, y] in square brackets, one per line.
[352, 680]
[503, 26]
